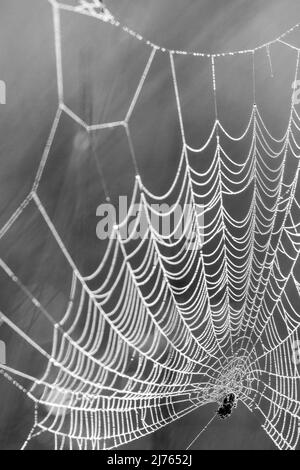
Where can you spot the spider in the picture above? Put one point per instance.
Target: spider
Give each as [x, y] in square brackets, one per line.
[228, 404]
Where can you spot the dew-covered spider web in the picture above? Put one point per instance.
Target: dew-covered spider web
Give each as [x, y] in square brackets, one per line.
[141, 344]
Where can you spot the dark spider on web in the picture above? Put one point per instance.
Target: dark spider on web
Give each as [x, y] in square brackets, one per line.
[228, 404]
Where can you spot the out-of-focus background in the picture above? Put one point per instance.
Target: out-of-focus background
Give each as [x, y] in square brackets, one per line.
[102, 67]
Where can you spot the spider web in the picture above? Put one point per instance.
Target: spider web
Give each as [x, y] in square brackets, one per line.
[151, 349]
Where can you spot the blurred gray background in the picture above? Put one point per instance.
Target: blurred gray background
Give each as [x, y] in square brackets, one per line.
[102, 68]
